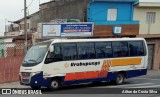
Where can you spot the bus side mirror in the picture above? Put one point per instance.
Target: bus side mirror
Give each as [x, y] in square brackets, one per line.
[51, 48]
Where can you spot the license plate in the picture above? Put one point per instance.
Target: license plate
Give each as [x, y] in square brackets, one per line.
[24, 77]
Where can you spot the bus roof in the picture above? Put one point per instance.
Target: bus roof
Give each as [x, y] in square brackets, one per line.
[95, 39]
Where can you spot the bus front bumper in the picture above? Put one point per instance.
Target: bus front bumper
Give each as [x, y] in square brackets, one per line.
[34, 79]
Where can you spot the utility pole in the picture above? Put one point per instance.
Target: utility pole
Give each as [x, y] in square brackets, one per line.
[25, 28]
[5, 25]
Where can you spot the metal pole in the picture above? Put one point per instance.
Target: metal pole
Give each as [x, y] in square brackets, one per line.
[25, 28]
[5, 25]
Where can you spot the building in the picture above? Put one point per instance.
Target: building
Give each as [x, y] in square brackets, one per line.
[6, 39]
[106, 14]
[129, 18]
[8, 44]
[64, 9]
[12, 33]
[32, 21]
[149, 16]
[18, 34]
[20, 22]
[11, 29]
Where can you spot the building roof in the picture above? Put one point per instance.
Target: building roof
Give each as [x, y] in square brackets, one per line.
[28, 17]
[22, 19]
[6, 37]
[148, 4]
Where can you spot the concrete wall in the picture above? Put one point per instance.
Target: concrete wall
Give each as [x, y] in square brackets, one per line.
[34, 20]
[98, 11]
[64, 9]
[156, 54]
[15, 33]
[22, 25]
[140, 14]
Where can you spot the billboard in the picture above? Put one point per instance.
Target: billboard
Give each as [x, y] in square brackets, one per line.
[76, 30]
[50, 30]
[67, 30]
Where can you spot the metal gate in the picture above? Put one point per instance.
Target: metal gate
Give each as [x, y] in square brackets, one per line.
[150, 56]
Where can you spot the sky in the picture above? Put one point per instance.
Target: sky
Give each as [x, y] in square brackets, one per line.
[12, 10]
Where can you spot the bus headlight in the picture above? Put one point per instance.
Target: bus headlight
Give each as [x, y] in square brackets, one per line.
[34, 73]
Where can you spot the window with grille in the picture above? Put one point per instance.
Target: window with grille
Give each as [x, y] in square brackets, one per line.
[150, 17]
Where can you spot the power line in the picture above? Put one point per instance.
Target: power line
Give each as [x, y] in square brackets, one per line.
[30, 3]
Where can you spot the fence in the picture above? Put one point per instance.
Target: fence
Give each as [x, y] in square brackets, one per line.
[11, 57]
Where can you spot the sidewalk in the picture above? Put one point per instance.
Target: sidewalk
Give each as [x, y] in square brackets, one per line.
[150, 73]
[13, 85]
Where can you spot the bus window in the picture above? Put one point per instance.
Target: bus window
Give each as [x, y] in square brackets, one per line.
[54, 56]
[69, 51]
[136, 48]
[86, 51]
[120, 49]
[103, 49]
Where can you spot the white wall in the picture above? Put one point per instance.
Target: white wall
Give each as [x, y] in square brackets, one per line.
[140, 14]
[8, 40]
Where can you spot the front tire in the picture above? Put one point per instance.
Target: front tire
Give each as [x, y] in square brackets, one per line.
[120, 79]
[55, 84]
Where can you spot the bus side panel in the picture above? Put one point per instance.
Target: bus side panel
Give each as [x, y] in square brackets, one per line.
[135, 73]
[111, 76]
[101, 70]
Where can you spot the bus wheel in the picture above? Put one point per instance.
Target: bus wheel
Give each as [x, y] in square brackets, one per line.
[35, 87]
[120, 79]
[55, 84]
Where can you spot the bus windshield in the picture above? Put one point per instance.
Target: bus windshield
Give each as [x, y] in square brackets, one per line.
[35, 54]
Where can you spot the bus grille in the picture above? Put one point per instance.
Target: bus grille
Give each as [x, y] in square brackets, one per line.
[25, 77]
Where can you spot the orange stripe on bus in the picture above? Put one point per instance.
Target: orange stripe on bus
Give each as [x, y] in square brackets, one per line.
[91, 74]
[126, 61]
[104, 69]
[81, 75]
[70, 76]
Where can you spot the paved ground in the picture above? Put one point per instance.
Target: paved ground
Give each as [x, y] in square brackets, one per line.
[153, 73]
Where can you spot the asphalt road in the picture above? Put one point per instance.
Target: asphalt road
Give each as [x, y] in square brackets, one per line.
[144, 86]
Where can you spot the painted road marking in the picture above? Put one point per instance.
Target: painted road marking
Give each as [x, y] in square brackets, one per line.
[151, 86]
[127, 85]
[147, 78]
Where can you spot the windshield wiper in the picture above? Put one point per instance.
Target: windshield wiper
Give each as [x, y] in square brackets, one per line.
[33, 61]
